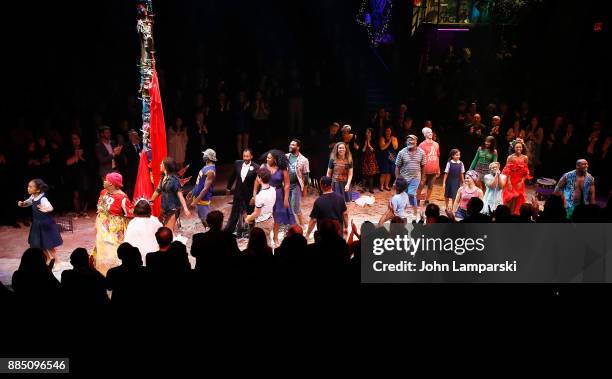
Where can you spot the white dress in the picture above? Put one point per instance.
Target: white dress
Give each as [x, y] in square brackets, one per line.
[140, 233]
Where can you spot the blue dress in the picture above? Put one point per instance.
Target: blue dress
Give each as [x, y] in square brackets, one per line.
[386, 160]
[453, 179]
[282, 215]
[44, 233]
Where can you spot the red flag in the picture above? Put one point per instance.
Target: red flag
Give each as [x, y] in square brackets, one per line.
[159, 148]
[143, 187]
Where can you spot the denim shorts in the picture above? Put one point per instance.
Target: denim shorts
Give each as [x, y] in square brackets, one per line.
[413, 185]
[295, 198]
[203, 211]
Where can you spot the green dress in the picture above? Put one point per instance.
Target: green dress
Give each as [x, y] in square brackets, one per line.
[482, 160]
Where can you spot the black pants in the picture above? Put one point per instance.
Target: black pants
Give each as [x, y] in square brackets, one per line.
[239, 205]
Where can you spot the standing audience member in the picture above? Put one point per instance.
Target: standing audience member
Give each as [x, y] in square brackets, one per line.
[177, 142]
[388, 145]
[369, 166]
[106, 152]
[129, 160]
[77, 170]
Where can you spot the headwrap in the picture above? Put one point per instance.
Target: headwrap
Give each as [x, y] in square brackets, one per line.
[473, 174]
[115, 179]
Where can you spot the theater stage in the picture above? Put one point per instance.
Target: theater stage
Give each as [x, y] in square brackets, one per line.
[13, 242]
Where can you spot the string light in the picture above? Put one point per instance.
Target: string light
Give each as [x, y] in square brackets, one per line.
[376, 37]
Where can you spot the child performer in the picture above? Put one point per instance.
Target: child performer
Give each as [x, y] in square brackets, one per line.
[44, 233]
[453, 177]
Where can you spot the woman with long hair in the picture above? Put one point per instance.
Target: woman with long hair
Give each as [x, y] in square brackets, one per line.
[369, 166]
[388, 146]
[517, 172]
[340, 169]
[177, 142]
[277, 163]
[172, 194]
[485, 155]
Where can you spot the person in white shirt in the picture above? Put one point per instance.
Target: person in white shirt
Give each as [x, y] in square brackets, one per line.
[44, 232]
[264, 204]
[141, 230]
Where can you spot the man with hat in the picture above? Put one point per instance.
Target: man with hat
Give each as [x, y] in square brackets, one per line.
[409, 164]
[203, 190]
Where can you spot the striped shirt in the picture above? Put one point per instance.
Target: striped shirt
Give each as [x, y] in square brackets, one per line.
[410, 163]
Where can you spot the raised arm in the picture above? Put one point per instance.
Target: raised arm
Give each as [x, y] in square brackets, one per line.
[475, 160]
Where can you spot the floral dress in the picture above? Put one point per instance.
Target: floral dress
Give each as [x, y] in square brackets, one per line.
[114, 212]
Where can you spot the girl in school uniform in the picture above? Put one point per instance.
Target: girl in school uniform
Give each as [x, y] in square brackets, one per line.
[44, 232]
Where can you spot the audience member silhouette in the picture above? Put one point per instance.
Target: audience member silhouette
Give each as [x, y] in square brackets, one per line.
[554, 209]
[214, 247]
[127, 281]
[258, 244]
[33, 282]
[83, 286]
[474, 207]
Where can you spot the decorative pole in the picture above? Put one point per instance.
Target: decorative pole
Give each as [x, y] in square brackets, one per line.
[144, 26]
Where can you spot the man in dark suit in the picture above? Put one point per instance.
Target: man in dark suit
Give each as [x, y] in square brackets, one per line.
[106, 152]
[244, 174]
[129, 160]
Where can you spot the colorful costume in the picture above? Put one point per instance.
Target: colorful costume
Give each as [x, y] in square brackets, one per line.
[114, 211]
[515, 170]
[203, 206]
[568, 189]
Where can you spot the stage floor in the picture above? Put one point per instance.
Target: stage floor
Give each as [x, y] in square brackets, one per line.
[13, 242]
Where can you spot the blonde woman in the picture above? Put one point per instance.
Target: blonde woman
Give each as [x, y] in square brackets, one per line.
[340, 169]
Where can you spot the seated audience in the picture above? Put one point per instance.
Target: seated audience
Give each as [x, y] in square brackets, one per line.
[83, 285]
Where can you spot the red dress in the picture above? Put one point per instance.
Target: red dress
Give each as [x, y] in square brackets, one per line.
[515, 170]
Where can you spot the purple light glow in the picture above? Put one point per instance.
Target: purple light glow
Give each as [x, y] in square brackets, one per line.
[453, 30]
